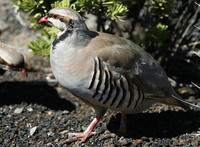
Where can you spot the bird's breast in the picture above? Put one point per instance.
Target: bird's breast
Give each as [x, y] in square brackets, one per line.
[71, 67]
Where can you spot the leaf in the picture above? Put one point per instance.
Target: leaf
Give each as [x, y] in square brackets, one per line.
[63, 3]
[159, 33]
[116, 10]
[162, 7]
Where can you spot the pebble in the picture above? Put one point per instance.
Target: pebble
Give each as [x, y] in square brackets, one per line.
[50, 134]
[29, 109]
[33, 130]
[65, 112]
[137, 142]
[18, 110]
[122, 141]
[145, 139]
[64, 132]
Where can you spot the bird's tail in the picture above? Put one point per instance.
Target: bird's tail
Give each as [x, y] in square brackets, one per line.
[178, 101]
[186, 103]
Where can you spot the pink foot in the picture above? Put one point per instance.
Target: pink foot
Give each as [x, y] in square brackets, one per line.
[78, 136]
[88, 132]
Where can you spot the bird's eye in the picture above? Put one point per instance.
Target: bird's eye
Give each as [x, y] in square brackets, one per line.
[55, 16]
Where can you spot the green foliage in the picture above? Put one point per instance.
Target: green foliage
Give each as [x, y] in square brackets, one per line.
[162, 7]
[38, 8]
[158, 34]
[42, 45]
[115, 11]
[110, 8]
[157, 31]
[35, 8]
[63, 3]
[138, 40]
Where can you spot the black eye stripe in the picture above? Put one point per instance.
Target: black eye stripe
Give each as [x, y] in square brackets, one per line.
[55, 16]
[61, 19]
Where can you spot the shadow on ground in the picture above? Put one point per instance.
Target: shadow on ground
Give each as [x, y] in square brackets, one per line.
[158, 125]
[32, 92]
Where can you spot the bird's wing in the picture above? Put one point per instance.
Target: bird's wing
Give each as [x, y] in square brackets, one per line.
[130, 60]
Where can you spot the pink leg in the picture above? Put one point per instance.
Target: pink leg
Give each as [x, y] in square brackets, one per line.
[88, 132]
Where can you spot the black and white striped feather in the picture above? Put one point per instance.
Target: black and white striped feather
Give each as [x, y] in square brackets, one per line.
[113, 90]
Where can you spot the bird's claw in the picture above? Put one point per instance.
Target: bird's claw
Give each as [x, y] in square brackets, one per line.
[78, 136]
[108, 134]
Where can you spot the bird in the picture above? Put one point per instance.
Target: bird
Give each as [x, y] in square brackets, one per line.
[105, 71]
[11, 59]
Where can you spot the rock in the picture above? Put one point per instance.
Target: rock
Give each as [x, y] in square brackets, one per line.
[18, 110]
[145, 139]
[64, 132]
[65, 112]
[123, 141]
[50, 133]
[32, 130]
[29, 109]
[137, 142]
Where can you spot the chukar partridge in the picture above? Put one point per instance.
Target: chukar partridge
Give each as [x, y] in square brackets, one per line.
[11, 59]
[105, 71]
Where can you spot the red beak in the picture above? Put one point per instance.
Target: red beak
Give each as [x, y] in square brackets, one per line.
[43, 19]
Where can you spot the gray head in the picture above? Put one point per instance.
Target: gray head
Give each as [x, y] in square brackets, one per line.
[64, 18]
